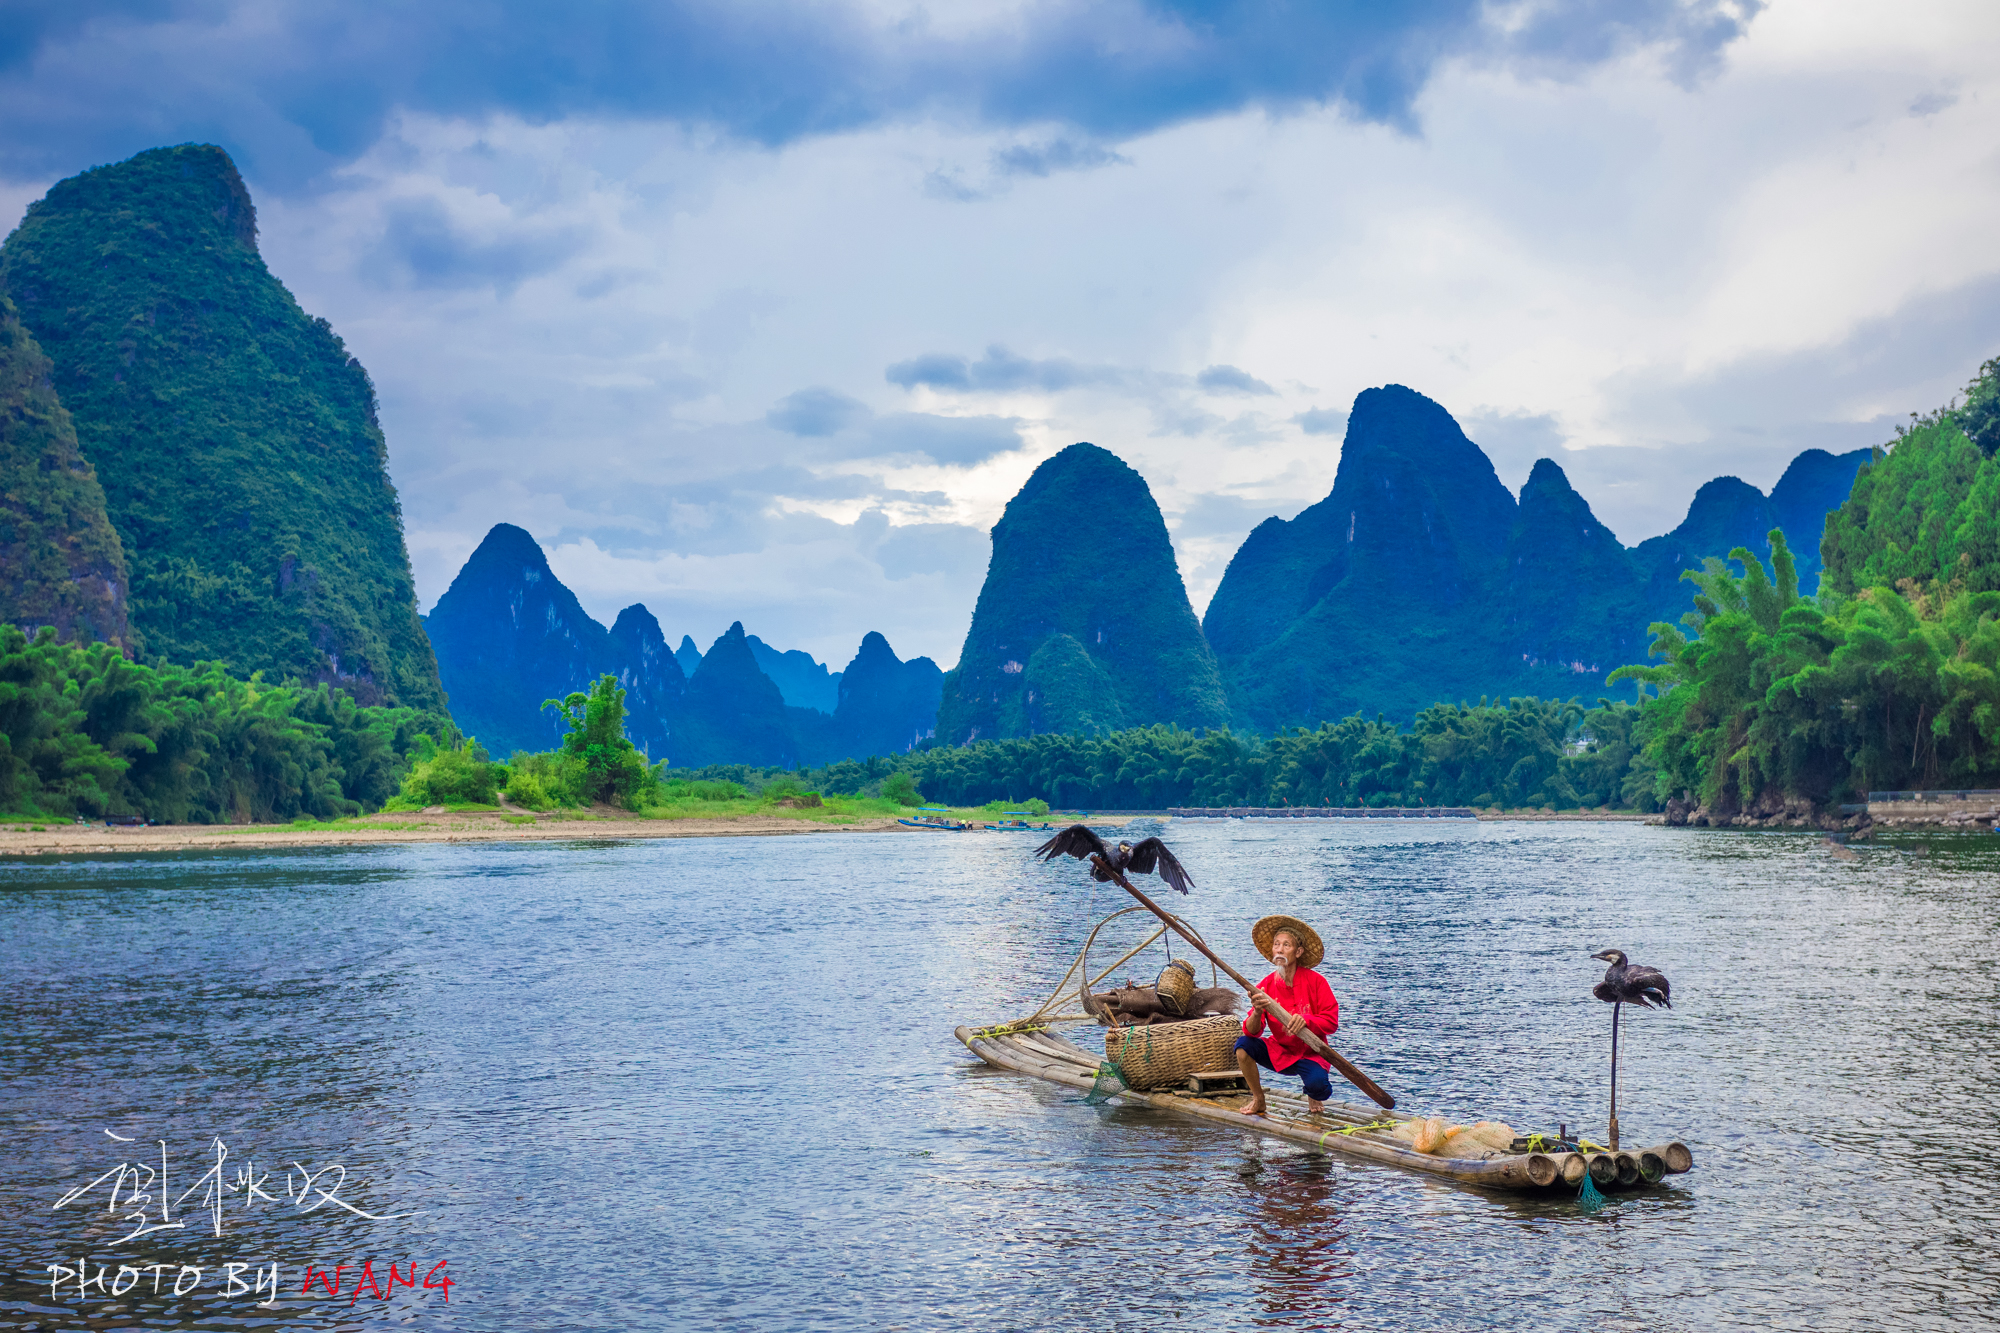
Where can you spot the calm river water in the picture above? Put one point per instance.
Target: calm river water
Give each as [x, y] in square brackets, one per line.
[711, 1083]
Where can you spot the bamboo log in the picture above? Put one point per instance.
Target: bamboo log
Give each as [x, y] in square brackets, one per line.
[1652, 1167]
[1604, 1169]
[1628, 1168]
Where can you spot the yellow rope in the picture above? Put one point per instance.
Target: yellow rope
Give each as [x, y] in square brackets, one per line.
[1009, 1029]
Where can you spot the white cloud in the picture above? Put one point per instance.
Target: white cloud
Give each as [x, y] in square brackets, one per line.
[1670, 280]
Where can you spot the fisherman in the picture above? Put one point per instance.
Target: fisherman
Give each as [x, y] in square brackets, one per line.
[1303, 997]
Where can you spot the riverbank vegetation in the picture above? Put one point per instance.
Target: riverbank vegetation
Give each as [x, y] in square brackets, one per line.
[84, 731]
[1888, 679]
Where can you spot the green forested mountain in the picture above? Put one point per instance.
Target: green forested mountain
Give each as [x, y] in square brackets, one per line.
[236, 440]
[1888, 679]
[61, 564]
[1383, 596]
[1421, 578]
[1083, 624]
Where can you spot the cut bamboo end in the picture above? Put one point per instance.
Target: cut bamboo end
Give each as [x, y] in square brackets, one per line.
[1678, 1158]
[1604, 1168]
[1542, 1170]
[1652, 1167]
[1574, 1168]
[1628, 1169]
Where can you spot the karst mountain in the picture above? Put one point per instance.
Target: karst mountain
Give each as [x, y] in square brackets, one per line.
[233, 436]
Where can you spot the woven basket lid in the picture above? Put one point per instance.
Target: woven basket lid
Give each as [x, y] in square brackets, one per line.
[1261, 933]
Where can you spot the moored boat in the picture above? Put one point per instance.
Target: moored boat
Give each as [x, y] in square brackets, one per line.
[937, 817]
[1016, 821]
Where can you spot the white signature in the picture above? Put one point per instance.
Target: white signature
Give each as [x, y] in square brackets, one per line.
[137, 1190]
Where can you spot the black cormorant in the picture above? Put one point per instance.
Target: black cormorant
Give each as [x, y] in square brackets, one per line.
[1631, 983]
[1627, 983]
[1140, 858]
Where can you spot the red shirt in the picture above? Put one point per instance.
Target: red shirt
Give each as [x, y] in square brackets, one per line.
[1309, 995]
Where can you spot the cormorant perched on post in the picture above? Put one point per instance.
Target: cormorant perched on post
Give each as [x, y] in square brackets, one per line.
[1627, 983]
[1139, 858]
[1631, 983]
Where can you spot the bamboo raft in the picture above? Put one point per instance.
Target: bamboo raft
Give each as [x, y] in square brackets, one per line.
[1039, 1053]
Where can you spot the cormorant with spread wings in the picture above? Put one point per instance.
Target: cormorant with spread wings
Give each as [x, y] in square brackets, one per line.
[1141, 858]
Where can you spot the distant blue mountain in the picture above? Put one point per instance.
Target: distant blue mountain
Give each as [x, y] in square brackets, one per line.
[509, 635]
[687, 655]
[1421, 579]
[804, 682]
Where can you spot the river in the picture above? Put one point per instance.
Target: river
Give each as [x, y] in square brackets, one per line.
[711, 1084]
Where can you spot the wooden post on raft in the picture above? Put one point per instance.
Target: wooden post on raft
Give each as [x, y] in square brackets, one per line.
[1307, 1035]
[1614, 1075]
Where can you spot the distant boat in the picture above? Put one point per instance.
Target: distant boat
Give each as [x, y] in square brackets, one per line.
[1015, 821]
[937, 817]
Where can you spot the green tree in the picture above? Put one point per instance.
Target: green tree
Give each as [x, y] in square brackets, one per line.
[600, 762]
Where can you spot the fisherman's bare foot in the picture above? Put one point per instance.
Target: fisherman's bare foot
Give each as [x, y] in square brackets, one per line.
[1255, 1106]
[1317, 1107]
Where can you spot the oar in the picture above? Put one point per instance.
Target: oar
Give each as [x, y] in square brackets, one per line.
[1307, 1035]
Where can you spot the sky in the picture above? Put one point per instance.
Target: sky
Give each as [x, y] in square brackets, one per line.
[762, 312]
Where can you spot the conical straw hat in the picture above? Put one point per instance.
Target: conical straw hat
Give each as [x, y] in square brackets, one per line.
[1261, 933]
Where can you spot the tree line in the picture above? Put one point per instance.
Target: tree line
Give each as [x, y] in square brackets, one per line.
[1523, 752]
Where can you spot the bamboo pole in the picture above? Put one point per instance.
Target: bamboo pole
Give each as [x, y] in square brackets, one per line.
[1312, 1039]
[1615, 1007]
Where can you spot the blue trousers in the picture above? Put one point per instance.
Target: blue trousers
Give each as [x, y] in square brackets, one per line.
[1318, 1086]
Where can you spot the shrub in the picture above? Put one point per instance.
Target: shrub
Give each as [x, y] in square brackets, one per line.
[528, 791]
[902, 789]
[458, 774]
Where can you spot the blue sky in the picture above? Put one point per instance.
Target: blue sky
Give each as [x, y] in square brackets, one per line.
[762, 311]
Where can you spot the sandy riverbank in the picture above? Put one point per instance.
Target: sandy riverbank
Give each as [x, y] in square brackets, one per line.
[605, 823]
[602, 824]
[73, 839]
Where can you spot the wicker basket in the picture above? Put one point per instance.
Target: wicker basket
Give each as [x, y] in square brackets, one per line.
[1175, 986]
[1164, 1054]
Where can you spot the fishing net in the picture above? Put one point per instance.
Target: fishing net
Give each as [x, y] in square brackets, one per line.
[1587, 1198]
[1108, 1084]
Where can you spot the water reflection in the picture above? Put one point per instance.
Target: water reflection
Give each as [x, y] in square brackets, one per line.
[1297, 1249]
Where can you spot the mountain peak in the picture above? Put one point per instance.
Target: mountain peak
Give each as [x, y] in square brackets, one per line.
[506, 544]
[188, 184]
[1081, 550]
